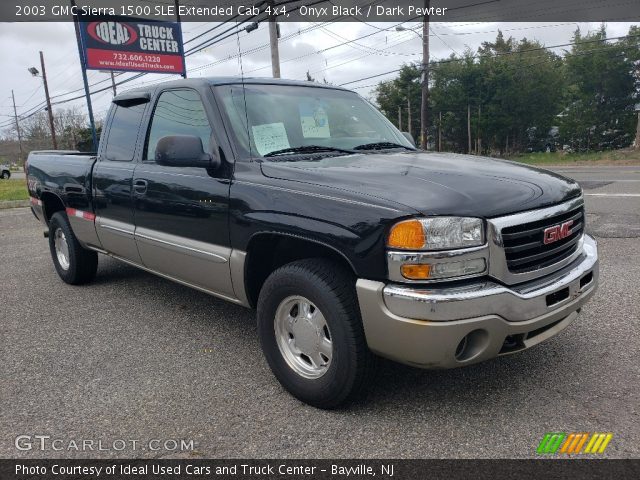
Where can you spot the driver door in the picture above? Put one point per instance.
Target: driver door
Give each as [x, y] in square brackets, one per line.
[181, 214]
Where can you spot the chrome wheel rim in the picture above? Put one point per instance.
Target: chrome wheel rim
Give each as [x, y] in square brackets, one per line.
[62, 249]
[303, 337]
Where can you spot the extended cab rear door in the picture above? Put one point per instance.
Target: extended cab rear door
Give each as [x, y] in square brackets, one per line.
[181, 213]
[113, 178]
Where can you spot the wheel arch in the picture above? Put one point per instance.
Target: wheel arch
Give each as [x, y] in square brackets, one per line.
[267, 251]
[51, 203]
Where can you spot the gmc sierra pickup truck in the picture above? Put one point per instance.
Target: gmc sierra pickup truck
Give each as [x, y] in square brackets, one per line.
[304, 202]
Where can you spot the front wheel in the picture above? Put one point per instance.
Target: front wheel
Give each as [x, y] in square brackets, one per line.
[75, 265]
[311, 333]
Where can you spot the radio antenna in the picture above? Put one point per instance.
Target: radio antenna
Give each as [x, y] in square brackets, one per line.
[244, 95]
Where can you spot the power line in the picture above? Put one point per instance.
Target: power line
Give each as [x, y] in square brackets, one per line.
[207, 43]
[349, 43]
[292, 35]
[500, 54]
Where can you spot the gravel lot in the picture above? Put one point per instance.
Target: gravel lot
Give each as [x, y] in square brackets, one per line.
[133, 356]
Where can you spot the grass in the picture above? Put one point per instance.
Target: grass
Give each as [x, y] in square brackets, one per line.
[13, 189]
[612, 157]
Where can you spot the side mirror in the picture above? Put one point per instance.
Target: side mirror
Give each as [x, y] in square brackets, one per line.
[184, 151]
[409, 137]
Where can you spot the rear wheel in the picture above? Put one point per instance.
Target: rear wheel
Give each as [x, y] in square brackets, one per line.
[311, 333]
[75, 265]
[6, 175]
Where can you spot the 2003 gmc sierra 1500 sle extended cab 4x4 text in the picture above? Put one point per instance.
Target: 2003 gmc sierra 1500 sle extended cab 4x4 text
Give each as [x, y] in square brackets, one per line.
[304, 202]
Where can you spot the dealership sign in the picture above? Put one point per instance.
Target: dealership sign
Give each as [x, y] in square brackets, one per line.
[132, 45]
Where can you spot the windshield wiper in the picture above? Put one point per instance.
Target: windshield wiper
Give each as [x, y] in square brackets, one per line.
[306, 149]
[381, 146]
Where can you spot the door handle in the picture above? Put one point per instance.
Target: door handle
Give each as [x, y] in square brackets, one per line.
[140, 187]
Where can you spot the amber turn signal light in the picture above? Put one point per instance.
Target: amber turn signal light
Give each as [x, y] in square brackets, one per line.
[416, 272]
[407, 235]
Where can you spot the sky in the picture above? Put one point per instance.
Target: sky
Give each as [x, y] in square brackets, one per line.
[314, 47]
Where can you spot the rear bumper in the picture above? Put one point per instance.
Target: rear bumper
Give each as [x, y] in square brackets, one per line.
[451, 327]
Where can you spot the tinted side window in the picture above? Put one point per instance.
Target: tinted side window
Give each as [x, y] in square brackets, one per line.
[123, 133]
[178, 112]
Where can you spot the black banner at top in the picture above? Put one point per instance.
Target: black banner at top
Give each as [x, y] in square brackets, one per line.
[292, 469]
[328, 10]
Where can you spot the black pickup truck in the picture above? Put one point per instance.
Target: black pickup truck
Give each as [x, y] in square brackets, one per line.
[303, 202]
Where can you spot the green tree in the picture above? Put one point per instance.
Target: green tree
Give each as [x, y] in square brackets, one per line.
[393, 95]
[602, 78]
[83, 137]
[511, 88]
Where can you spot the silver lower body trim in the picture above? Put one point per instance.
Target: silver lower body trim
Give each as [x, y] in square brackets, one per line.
[174, 279]
[214, 269]
[213, 253]
[117, 237]
[192, 261]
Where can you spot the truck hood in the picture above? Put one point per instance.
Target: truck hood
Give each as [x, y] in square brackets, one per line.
[432, 183]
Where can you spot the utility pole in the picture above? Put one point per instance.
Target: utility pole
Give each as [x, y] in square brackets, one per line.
[273, 40]
[46, 92]
[469, 127]
[113, 83]
[399, 118]
[479, 145]
[15, 115]
[637, 131]
[440, 131]
[408, 110]
[424, 105]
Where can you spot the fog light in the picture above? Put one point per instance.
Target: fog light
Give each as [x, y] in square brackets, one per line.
[416, 272]
[458, 269]
[432, 271]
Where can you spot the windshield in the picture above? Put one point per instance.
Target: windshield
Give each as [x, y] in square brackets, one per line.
[290, 117]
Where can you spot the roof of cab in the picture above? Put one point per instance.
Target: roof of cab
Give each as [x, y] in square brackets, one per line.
[203, 81]
[267, 81]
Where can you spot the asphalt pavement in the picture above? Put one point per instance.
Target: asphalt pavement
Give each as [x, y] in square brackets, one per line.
[135, 357]
[19, 175]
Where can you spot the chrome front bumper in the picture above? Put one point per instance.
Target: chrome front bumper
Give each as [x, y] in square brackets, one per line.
[450, 327]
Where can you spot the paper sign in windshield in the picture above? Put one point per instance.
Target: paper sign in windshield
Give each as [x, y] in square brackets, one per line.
[314, 120]
[270, 137]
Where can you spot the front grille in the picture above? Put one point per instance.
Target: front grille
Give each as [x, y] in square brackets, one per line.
[524, 245]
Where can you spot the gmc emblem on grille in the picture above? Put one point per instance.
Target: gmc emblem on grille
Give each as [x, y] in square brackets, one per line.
[557, 232]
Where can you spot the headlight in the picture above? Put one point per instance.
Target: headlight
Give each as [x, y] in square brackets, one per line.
[437, 233]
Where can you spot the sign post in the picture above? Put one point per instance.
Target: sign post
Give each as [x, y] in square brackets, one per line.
[92, 123]
[184, 66]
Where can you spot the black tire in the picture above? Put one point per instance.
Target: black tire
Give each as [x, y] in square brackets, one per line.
[82, 263]
[6, 175]
[331, 289]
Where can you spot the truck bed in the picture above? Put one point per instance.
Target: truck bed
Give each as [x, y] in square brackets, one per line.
[67, 174]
